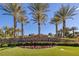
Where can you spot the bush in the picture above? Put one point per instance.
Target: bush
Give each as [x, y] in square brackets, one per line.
[4, 45]
[0, 45]
[18, 44]
[12, 44]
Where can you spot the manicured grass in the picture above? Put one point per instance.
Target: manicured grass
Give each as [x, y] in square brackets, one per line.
[54, 51]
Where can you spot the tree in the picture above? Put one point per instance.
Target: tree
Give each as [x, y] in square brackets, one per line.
[23, 20]
[39, 16]
[1, 33]
[11, 31]
[6, 31]
[66, 12]
[11, 9]
[56, 21]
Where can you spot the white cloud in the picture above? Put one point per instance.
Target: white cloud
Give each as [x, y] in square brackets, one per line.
[77, 8]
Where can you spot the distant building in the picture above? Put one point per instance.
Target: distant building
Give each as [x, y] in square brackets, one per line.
[76, 33]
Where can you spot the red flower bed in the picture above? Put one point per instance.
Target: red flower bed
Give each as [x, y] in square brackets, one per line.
[35, 47]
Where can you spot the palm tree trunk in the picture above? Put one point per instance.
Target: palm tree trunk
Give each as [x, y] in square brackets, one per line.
[73, 33]
[14, 26]
[64, 26]
[5, 34]
[39, 29]
[22, 31]
[56, 30]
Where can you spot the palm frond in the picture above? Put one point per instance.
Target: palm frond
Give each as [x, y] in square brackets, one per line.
[66, 12]
[38, 11]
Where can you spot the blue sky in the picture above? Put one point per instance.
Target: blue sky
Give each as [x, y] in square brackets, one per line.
[6, 20]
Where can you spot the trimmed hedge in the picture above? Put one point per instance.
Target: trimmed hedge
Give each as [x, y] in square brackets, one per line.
[39, 44]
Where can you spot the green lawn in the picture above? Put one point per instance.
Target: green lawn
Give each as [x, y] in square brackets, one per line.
[54, 51]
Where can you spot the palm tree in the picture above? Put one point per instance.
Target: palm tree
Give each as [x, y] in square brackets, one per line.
[23, 20]
[11, 31]
[6, 31]
[66, 12]
[56, 21]
[38, 11]
[11, 9]
[73, 30]
[1, 33]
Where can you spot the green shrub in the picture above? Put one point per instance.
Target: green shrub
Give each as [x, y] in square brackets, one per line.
[12, 44]
[0, 45]
[4, 45]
